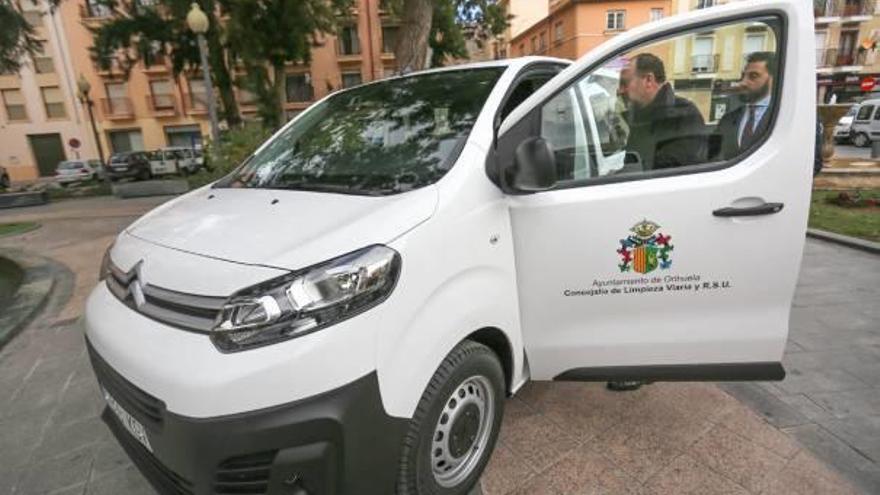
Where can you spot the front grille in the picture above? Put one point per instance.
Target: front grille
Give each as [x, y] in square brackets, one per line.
[187, 311]
[163, 479]
[144, 406]
[242, 475]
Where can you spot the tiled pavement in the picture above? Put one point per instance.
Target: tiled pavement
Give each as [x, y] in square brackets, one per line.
[557, 438]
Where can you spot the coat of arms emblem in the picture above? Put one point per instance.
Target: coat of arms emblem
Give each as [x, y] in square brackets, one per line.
[645, 249]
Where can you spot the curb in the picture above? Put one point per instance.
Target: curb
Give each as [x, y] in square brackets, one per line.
[30, 298]
[844, 240]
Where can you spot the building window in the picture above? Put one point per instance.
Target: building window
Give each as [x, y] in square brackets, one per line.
[542, 42]
[299, 88]
[53, 101]
[558, 33]
[615, 20]
[198, 94]
[702, 59]
[389, 38]
[522, 49]
[117, 102]
[246, 97]
[705, 4]
[13, 100]
[348, 41]
[122, 141]
[43, 61]
[656, 14]
[162, 94]
[534, 44]
[95, 8]
[350, 79]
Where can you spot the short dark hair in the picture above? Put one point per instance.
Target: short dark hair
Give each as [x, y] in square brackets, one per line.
[648, 63]
[769, 59]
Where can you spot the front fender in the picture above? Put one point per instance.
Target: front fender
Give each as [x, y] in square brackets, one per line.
[475, 298]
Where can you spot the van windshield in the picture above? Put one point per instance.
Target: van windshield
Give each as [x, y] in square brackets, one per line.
[378, 139]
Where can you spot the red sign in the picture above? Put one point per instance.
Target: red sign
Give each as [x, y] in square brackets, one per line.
[74, 143]
[868, 83]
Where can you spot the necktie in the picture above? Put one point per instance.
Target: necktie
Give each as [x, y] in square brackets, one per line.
[749, 131]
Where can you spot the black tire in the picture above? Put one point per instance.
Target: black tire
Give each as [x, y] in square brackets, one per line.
[861, 140]
[145, 174]
[468, 361]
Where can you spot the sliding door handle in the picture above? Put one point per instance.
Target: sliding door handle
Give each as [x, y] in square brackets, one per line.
[749, 211]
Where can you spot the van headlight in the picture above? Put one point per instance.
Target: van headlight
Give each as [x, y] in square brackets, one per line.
[306, 300]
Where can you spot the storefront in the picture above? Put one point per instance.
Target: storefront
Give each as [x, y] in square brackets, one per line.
[846, 87]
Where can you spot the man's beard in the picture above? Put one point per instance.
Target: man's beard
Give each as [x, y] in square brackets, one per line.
[753, 96]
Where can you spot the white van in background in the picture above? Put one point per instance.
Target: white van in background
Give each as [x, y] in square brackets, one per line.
[175, 160]
[866, 123]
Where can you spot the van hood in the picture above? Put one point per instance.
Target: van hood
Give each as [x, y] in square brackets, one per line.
[281, 229]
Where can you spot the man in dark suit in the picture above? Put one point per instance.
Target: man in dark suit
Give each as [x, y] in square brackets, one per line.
[743, 127]
[665, 130]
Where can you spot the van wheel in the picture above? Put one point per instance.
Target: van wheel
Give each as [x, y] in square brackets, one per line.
[453, 431]
[861, 140]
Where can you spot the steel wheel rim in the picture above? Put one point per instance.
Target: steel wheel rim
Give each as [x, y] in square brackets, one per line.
[449, 464]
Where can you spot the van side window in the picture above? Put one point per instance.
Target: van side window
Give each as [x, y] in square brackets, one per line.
[677, 103]
[523, 90]
[877, 114]
[865, 112]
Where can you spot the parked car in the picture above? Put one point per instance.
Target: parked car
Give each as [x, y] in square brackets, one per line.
[346, 312]
[866, 123]
[175, 160]
[5, 182]
[129, 164]
[71, 171]
[843, 129]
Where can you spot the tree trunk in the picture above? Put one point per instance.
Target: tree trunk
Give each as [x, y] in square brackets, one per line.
[411, 51]
[279, 86]
[222, 77]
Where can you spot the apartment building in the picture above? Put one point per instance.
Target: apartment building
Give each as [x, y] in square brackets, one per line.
[41, 122]
[151, 107]
[847, 35]
[574, 27]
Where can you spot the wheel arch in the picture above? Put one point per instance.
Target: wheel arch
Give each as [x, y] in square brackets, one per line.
[495, 339]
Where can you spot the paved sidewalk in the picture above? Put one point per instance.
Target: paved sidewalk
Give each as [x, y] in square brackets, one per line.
[557, 438]
[830, 400]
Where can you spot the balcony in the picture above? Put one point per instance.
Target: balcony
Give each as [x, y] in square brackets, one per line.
[704, 64]
[162, 105]
[848, 10]
[828, 59]
[117, 108]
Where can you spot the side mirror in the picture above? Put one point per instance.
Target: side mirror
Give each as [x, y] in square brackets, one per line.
[533, 168]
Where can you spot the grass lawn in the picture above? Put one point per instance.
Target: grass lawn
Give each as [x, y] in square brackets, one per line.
[17, 228]
[858, 221]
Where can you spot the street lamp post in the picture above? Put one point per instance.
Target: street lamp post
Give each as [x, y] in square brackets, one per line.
[84, 87]
[197, 22]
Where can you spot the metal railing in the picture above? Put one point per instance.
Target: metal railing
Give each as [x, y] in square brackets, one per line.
[833, 57]
[117, 107]
[704, 63]
[843, 8]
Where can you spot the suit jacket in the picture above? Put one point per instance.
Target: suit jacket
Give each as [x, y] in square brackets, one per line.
[725, 141]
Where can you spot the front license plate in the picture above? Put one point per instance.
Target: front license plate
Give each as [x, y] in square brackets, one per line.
[133, 426]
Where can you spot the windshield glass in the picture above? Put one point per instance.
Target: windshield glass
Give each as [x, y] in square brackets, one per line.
[382, 138]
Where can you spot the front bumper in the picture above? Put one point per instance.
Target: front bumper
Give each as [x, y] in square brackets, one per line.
[336, 443]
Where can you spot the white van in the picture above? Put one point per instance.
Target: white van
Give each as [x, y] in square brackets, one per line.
[175, 160]
[346, 312]
[866, 125]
